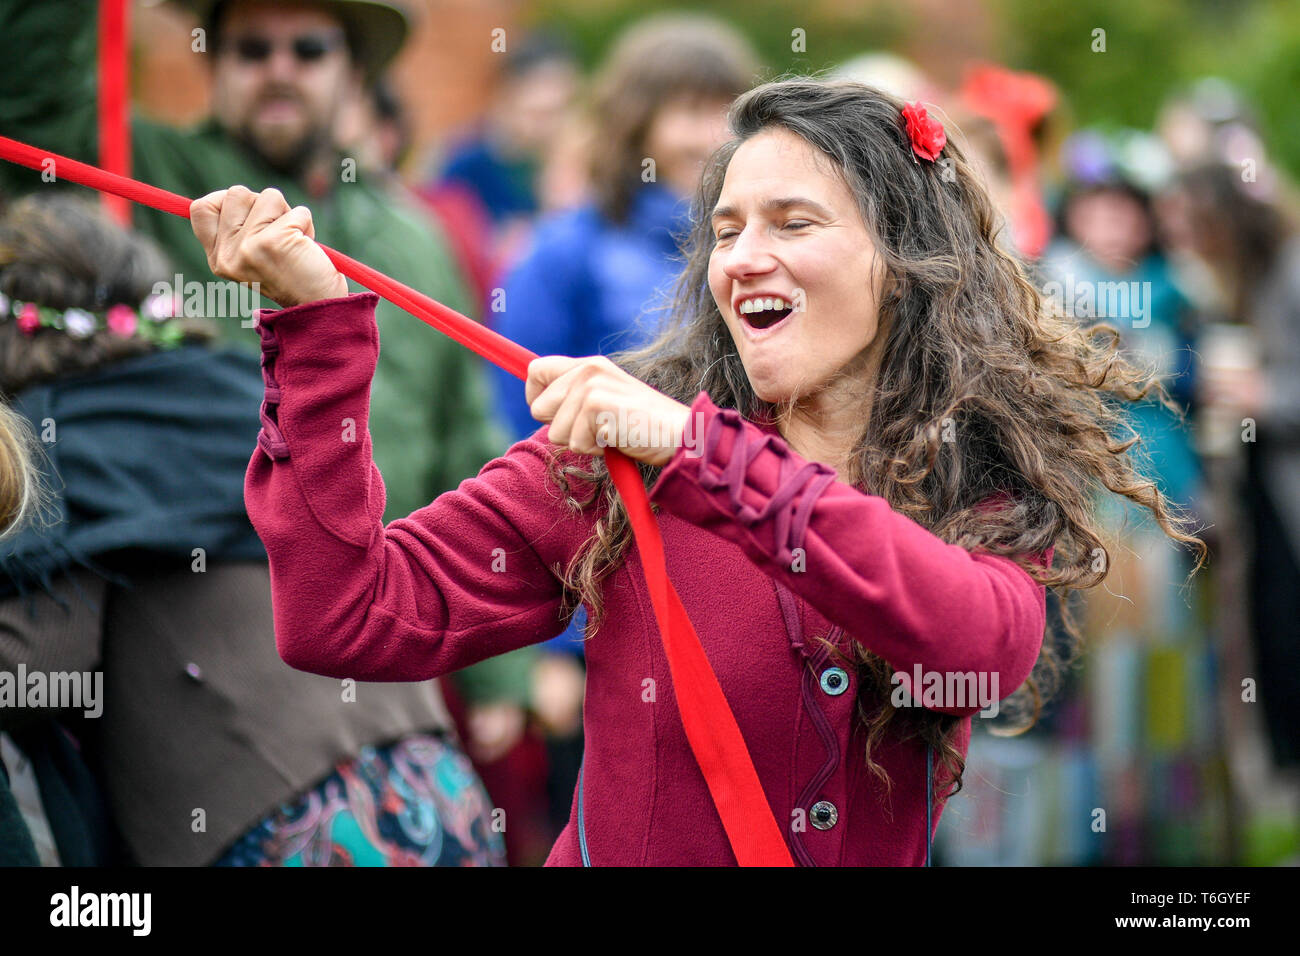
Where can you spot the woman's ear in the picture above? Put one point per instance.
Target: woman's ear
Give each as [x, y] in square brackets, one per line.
[886, 286]
[881, 274]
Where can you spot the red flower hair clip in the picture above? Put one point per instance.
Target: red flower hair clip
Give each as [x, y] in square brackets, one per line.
[926, 133]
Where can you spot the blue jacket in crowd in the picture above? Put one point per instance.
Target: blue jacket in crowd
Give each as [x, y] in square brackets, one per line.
[588, 286]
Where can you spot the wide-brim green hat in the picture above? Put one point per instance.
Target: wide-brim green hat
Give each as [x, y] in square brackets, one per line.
[378, 28]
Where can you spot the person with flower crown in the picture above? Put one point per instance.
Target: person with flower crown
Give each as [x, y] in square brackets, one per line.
[142, 565]
[280, 74]
[868, 441]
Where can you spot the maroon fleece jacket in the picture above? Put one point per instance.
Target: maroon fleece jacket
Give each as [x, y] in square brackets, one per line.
[768, 552]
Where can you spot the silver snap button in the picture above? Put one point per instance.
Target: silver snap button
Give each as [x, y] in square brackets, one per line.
[194, 672]
[835, 681]
[824, 814]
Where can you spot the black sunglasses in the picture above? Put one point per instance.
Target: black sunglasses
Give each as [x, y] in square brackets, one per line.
[308, 48]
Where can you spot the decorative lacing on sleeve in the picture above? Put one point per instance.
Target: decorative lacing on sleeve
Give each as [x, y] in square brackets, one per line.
[807, 483]
[270, 439]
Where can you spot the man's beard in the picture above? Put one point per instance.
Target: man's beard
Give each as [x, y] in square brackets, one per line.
[292, 162]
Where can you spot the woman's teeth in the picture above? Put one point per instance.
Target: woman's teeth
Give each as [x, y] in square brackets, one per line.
[759, 305]
[765, 312]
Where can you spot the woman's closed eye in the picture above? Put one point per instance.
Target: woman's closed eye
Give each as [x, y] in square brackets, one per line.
[730, 233]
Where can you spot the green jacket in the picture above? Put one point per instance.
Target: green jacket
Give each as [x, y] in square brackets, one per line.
[430, 417]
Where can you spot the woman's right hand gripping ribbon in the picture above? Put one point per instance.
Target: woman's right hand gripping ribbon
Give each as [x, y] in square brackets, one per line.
[255, 237]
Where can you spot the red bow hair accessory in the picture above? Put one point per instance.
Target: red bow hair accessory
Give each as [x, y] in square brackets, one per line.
[926, 133]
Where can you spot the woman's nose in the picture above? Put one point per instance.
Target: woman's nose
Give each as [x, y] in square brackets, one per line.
[748, 255]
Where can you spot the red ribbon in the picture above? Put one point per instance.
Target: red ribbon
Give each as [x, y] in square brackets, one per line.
[114, 129]
[711, 729]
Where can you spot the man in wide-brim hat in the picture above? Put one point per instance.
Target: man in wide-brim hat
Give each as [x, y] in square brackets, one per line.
[282, 69]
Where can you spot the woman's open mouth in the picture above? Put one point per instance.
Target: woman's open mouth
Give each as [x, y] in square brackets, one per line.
[764, 313]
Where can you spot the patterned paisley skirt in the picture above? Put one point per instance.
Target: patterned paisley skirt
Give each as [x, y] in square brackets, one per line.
[416, 802]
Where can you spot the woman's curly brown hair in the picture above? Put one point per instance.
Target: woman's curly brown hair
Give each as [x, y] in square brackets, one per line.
[982, 389]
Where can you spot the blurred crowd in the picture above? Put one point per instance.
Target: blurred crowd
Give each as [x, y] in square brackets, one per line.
[554, 219]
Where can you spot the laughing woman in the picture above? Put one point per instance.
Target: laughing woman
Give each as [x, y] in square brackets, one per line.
[892, 452]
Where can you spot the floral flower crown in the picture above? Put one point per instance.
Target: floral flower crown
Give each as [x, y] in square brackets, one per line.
[926, 133]
[158, 313]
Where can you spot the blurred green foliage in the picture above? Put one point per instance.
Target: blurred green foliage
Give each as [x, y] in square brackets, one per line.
[833, 32]
[1153, 47]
